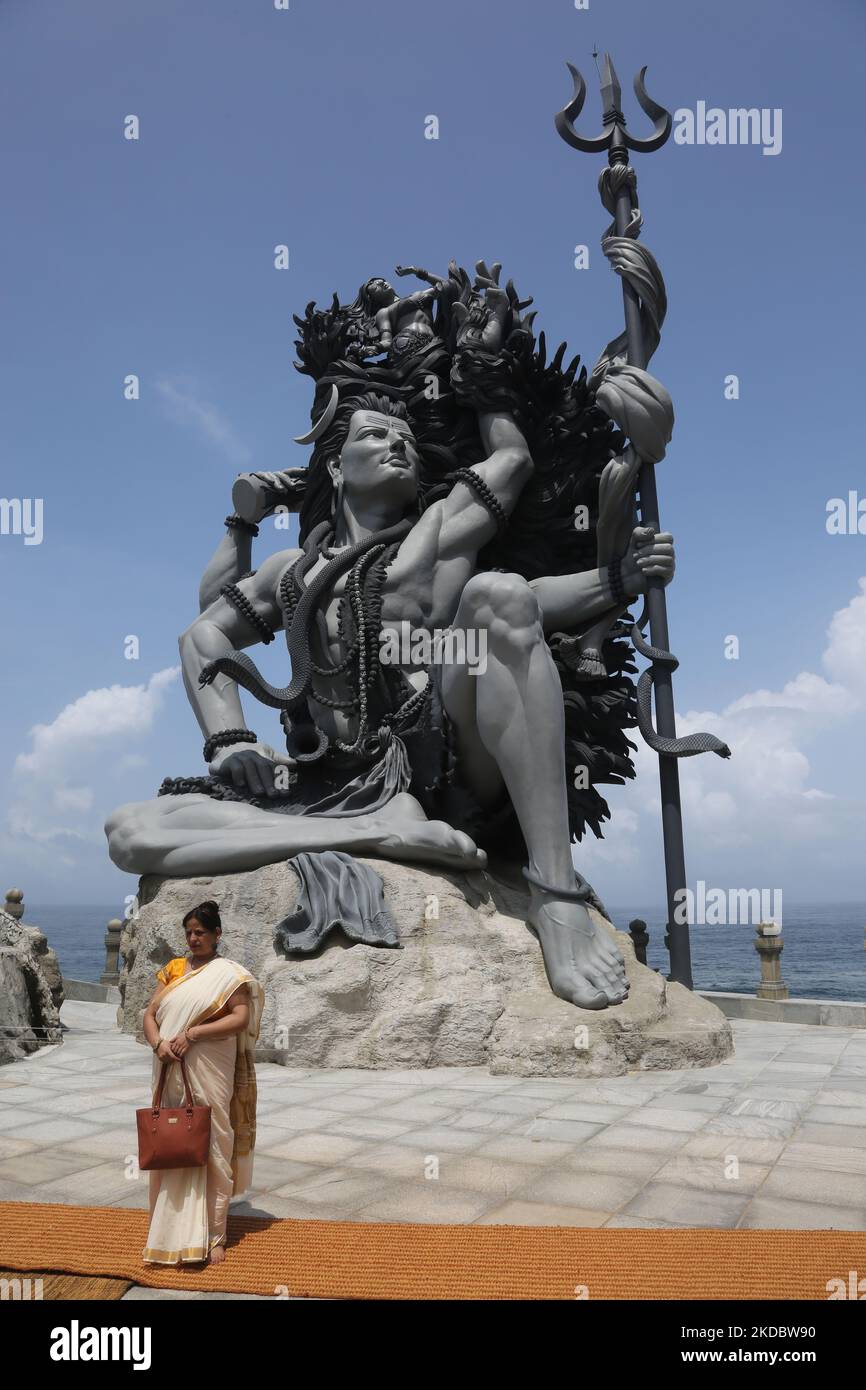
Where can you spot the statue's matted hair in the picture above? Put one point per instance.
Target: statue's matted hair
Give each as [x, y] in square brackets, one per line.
[571, 440]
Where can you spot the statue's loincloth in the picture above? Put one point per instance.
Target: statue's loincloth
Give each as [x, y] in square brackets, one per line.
[423, 762]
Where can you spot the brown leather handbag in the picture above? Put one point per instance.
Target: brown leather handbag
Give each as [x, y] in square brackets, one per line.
[173, 1137]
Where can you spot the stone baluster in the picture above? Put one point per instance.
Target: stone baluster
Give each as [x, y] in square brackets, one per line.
[111, 974]
[38, 941]
[769, 945]
[640, 938]
[14, 904]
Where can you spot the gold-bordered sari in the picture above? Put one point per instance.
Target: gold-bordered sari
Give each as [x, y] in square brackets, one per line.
[189, 1206]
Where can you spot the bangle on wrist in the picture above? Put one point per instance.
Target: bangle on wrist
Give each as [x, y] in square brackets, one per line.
[226, 737]
[237, 523]
[614, 579]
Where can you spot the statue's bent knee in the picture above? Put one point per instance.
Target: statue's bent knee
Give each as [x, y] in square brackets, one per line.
[128, 845]
[505, 604]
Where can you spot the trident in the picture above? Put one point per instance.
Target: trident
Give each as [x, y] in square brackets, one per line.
[644, 313]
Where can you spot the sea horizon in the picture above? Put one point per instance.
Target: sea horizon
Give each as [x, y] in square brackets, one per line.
[723, 957]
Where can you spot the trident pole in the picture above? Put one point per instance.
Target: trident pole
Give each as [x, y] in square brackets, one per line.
[657, 613]
[617, 140]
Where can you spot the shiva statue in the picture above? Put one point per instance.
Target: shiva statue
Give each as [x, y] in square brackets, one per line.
[459, 484]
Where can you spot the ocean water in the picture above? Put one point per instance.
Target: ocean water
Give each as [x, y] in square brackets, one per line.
[77, 934]
[823, 956]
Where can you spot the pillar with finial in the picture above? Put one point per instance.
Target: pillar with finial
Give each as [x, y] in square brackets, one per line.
[14, 904]
[769, 945]
[640, 938]
[111, 973]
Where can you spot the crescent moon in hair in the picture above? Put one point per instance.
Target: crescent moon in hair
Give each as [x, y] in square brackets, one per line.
[323, 421]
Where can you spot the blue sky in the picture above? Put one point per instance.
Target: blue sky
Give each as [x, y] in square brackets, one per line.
[306, 127]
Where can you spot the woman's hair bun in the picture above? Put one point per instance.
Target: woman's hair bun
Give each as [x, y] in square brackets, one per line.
[208, 914]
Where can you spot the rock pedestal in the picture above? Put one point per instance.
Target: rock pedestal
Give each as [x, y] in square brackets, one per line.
[48, 962]
[29, 980]
[467, 987]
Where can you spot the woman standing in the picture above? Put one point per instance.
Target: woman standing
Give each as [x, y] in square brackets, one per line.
[206, 1010]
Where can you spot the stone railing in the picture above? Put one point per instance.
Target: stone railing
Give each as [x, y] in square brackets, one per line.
[89, 990]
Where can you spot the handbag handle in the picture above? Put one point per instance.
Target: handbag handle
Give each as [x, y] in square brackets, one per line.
[157, 1099]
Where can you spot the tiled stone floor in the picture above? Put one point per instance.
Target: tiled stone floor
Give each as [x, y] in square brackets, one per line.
[775, 1137]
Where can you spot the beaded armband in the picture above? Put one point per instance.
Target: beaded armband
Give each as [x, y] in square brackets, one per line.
[617, 588]
[484, 494]
[237, 523]
[232, 594]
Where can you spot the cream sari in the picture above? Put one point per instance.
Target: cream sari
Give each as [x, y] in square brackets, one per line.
[189, 1206]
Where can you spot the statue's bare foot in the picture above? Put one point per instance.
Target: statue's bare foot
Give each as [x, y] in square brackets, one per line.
[217, 1255]
[583, 965]
[403, 832]
[591, 667]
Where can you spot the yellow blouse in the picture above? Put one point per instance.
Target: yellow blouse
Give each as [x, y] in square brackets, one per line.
[171, 971]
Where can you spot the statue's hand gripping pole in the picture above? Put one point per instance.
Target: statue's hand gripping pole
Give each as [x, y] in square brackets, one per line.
[645, 306]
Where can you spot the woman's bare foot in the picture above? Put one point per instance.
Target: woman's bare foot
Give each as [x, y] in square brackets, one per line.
[217, 1255]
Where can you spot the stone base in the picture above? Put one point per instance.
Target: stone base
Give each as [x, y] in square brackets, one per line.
[466, 988]
[29, 982]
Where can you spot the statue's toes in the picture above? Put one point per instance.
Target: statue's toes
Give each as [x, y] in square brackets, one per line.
[617, 969]
[470, 851]
[611, 978]
[586, 995]
[601, 979]
[611, 985]
[607, 958]
[590, 666]
[611, 958]
[616, 993]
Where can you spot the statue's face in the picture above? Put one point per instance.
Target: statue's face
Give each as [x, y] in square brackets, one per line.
[379, 459]
[380, 291]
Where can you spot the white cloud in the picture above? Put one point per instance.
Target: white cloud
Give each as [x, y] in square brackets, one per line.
[760, 808]
[130, 761]
[112, 712]
[186, 406]
[845, 655]
[611, 853]
[52, 813]
[28, 823]
[73, 798]
[808, 693]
